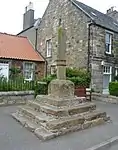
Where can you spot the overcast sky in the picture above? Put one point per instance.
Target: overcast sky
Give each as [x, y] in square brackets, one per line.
[11, 11]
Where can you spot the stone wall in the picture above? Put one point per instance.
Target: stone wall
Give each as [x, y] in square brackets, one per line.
[15, 97]
[75, 23]
[104, 98]
[98, 55]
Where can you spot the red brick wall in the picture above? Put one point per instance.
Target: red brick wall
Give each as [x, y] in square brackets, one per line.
[39, 67]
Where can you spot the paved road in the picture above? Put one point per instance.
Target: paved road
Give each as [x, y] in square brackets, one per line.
[14, 137]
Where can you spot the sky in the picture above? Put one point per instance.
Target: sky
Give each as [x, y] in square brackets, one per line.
[11, 11]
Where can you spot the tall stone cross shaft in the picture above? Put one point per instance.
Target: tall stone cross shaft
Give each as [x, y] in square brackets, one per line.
[61, 60]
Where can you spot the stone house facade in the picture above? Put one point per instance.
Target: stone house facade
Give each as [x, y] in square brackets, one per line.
[91, 40]
[16, 53]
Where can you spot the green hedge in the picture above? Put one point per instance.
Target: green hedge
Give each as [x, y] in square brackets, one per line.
[113, 88]
[41, 88]
[79, 77]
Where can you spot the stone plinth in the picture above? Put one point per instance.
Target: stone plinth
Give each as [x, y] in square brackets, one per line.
[59, 112]
[61, 89]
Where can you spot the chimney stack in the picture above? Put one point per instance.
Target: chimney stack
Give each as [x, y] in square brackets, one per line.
[112, 13]
[28, 17]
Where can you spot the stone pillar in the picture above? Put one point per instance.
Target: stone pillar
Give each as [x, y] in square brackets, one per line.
[61, 61]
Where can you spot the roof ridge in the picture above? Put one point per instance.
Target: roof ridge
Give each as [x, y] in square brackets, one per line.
[98, 17]
[94, 9]
[13, 35]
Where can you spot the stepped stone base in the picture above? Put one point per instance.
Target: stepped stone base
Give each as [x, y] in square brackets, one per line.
[49, 118]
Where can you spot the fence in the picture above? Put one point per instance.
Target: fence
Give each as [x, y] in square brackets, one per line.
[21, 85]
[16, 85]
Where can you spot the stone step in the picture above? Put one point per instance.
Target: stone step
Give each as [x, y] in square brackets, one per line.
[65, 111]
[71, 125]
[94, 115]
[34, 116]
[34, 105]
[25, 122]
[66, 122]
[77, 122]
[62, 111]
[60, 102]
[39, 131]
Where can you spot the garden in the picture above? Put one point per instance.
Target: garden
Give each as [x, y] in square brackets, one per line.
[80, 77]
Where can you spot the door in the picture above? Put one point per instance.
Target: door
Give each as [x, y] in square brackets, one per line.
[106, 79]
[4, 70]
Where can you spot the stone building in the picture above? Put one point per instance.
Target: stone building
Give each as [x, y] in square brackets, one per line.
[91, 39]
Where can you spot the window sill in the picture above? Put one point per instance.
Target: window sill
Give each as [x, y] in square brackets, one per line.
[28, 80]
[48, 57]
[109, 54]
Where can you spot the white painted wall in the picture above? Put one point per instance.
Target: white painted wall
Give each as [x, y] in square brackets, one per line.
[4, 70]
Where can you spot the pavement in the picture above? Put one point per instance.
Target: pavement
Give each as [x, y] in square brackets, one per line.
[15, 137]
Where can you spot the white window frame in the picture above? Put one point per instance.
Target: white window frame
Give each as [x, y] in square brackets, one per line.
[31, 71]
[110, 42]
[49, 48]
[107, 71]
[116, 71]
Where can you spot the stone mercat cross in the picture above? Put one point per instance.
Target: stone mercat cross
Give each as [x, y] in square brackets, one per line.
[61, 58]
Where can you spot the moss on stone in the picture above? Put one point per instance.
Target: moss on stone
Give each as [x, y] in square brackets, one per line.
[60, 32]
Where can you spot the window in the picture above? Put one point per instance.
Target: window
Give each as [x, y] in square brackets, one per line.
[49, 48]
[107, 69]
[28, 71]
[108, 40]
[107, 74]
[116, 71]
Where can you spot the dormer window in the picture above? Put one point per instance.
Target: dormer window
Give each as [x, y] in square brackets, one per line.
[108, 42]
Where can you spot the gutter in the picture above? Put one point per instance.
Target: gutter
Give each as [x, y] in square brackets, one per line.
[36, 42]
[36, 39]
[89, 32]
[89, 38]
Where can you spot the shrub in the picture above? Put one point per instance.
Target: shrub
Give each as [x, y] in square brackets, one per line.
[113, 88]
[79, 77]
[79, 82]
[14, 72]
[48, 79]
[41, 88]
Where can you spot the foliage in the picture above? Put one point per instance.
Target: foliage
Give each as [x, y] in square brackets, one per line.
[79, 82]
[15, 85]
[14, 72]
[49, 78]
[41, 88]
[113, 88]
[79, 77]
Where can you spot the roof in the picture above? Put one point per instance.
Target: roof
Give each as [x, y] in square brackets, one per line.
[98, 17]
[36, 24]
[17, 47]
